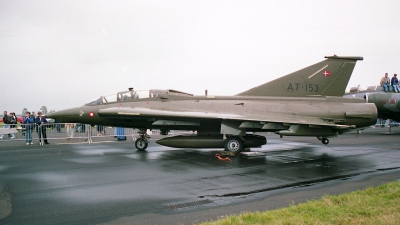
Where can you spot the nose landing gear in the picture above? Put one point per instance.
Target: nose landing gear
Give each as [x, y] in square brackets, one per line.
[141, 143]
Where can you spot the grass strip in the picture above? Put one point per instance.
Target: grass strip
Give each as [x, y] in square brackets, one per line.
[375, 205]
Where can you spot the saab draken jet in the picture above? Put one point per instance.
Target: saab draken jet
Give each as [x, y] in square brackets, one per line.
[387, 103]
[308, 102]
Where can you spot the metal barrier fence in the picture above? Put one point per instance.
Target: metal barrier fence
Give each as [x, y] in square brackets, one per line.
[386, 123]
[71, 131]
[62, 131]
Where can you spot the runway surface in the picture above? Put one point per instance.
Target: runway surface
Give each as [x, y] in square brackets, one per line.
[109, 182]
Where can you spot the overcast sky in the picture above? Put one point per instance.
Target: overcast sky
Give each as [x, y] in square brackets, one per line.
[62, 54]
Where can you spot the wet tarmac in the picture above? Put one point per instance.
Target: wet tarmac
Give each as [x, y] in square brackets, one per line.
[109, 182]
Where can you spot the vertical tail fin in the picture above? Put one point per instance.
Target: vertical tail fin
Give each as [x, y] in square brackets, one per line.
[329, 77]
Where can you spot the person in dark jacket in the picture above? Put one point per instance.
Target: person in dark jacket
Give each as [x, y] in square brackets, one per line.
[13, 122]
[41, 122]
[28, 124]
[395, 83]
[6, 121]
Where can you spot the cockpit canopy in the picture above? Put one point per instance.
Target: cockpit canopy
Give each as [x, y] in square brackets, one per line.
[134, 95]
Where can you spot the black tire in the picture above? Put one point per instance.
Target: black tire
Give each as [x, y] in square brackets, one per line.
[141, 144]
[233, 144]
[325, 141]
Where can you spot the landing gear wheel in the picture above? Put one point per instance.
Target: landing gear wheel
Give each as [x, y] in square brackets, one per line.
[141, 144]
[233, 144]
[325, 141]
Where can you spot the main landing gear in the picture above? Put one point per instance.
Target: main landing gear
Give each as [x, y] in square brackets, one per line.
[236, 144]
[141, 143]
[233, 144]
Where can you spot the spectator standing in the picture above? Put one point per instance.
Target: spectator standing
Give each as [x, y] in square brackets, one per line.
[6, 121]
[385, 83]
[83, 128]
[395, 83]
[41, 123]
[58, 125]
[100, 130]
[28, 123]
[33, 116]
[13, 122]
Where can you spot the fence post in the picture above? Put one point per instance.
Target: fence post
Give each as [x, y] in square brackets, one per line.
[40, 134]
[89, 133]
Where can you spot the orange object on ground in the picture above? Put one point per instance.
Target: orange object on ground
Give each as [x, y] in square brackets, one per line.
[220, 157]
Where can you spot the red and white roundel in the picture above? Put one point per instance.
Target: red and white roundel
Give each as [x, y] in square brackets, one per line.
[91, 114]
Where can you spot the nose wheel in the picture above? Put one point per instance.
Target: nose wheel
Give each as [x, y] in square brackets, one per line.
[141, 143]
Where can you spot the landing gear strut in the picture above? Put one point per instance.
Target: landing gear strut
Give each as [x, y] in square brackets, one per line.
[141, 143]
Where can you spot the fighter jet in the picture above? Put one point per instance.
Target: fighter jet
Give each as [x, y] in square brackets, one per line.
[387, 103]
[308, 102]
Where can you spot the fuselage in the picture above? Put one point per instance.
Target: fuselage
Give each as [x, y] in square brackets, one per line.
[334, 108]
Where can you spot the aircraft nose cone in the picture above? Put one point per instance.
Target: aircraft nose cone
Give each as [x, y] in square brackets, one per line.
[64, 115]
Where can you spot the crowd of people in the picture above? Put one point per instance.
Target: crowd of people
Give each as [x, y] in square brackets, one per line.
[30, 122]
[390, 84]
[9, 122]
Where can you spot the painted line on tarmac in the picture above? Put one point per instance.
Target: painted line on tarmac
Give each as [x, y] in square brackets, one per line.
[84, 142]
